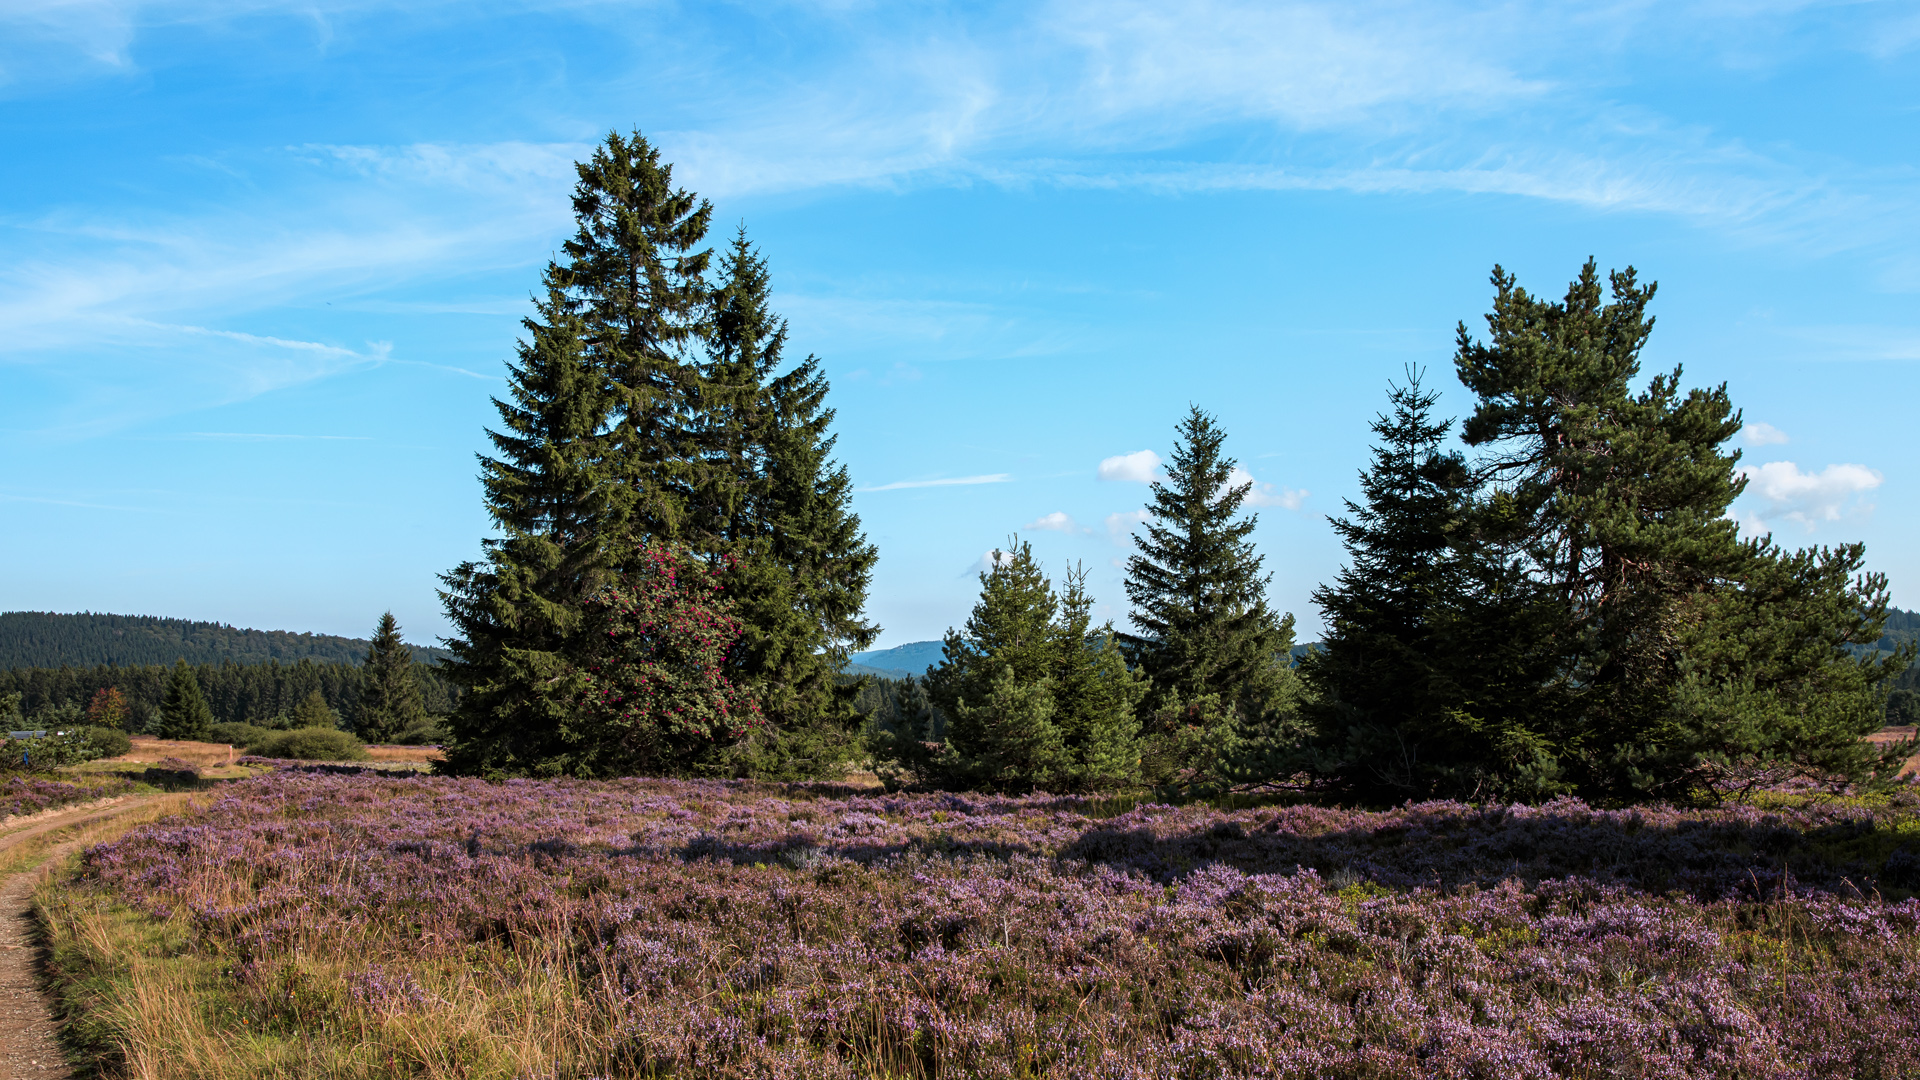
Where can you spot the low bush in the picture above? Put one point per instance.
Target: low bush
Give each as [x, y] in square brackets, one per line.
[241, 735]
[106, 742]
[428, 732]
[310, 744]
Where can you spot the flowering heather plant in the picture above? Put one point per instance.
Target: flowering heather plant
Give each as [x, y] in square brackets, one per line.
[25, 795]
[440, 927]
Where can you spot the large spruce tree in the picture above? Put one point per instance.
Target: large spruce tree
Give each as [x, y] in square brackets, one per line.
[553, 496]
[390, 697]
[776, 511]
[651, 411]
[1218, 658]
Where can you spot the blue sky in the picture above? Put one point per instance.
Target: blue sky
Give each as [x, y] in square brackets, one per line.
[261, 263]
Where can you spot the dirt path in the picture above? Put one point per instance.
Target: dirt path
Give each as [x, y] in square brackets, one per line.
[28, 1046]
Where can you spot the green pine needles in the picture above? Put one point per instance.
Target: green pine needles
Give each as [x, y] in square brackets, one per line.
[1033, 696]
[650, 413]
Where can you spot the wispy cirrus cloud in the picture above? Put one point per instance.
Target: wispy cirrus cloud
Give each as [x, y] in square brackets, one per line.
[951, 481]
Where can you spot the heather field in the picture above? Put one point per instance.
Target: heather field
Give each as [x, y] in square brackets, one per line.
[22, 795]
[325, 924]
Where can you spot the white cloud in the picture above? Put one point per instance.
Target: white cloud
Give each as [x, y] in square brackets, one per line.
[1139, 467]
[1120, 526]
[952, 481]
[1807, 497]
[1759, 434]
[988, 560]
[1058, 521]
[1266, 494]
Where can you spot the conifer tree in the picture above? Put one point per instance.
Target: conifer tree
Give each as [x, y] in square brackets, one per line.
[183, 711]
[390, 696]
[594, 459]
[1096, 696]
[516, 614]
[1218, 658]
[643, 300]
[1675, 642]
[1425, 626]
[314, 712]
[994, 682]
[778, 510]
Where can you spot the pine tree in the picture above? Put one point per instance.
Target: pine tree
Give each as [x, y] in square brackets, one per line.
[516, 615]
[1096, 696]
[778, 509]
[994, 682]
[1683, 654]
[594, 459]
[183, 711]
[1219, 660]
[314, 712]
[390, 697]
[1425, 627]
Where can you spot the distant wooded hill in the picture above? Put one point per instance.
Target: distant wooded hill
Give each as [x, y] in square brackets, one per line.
[43, 639]
[913, 658]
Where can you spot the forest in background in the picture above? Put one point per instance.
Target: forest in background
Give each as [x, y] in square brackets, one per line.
[44, 639]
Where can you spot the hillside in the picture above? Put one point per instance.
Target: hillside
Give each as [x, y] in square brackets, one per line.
[43, 639]
[913, 658]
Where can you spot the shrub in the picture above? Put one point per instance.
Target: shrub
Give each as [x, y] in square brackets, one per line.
[237, 734]
[311, 744]
[105, 741]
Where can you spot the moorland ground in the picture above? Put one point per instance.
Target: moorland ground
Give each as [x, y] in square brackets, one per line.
[305, 923]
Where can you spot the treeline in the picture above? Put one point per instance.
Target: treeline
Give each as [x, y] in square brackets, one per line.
[256, 694]
[1568, 611]
[678, 579]
[43, 639]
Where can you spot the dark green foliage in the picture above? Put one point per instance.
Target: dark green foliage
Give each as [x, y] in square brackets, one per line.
[183, 712]
[650, 408]
[775, 513]
[241, 735]
[58, 749]
[1217, 657]
[49, 640]
[313, 712]
[105, 742]
[1030, 695]
[255, 693]
[1430, 671]
[1686, 661]
[390, 699]
[1772, 682]
[592, 459]
[310, 744]
[1903, 707]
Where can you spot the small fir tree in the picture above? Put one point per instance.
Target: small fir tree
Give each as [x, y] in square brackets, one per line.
[994, 682]
[1096, 696]
[314, 712]
[390, 695]
[1218, 658]
[183, 711]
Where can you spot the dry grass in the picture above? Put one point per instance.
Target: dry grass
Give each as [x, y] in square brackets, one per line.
[1898, 734]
